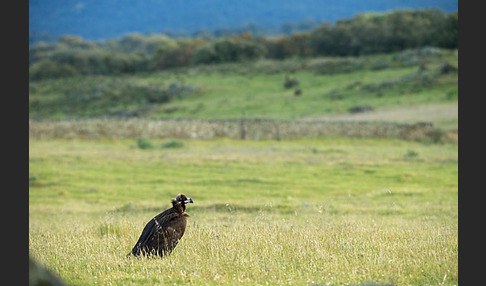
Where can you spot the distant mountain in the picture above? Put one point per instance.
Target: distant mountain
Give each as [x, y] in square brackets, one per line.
[103, 19]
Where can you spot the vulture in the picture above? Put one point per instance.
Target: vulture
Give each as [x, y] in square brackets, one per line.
[162, 233]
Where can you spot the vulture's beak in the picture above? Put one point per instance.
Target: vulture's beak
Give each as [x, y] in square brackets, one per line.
[189, 200]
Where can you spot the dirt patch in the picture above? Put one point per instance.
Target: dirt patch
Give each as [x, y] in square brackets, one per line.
[435, 113]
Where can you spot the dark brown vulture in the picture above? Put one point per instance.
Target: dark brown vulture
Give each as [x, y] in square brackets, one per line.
[162, 233]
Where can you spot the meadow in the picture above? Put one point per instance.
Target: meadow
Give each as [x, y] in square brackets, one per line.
[329, 87]
[307, 211]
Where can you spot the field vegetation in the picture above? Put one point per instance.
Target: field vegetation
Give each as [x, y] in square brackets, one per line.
[360, 65]
[321, 87]
[301, 211]
[323, 211]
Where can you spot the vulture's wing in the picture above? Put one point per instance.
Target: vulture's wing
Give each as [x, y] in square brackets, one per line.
[154, 226]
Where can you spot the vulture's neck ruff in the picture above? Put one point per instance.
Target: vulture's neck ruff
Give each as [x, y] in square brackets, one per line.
[180, 202]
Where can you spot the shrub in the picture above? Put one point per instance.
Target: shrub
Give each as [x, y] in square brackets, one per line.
[226, 50]
[144, 143]
[290, 82]
[410, 154]
[446, 68]
[50, 69]
[172, 144]
[361, 108]
[175, 56]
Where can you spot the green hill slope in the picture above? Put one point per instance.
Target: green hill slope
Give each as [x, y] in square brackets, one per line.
[323, 87]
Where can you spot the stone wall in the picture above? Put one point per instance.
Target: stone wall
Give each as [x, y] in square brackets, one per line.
[250, 129]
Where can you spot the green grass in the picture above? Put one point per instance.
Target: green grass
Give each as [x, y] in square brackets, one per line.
[305, 211]
[254, 89]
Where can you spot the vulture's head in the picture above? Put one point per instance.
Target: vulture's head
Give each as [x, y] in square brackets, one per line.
[181, 200]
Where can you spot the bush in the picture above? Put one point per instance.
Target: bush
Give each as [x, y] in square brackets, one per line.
[177, 55]
[361, 108]
[290, 82]
[50, 69]
[144, 143]
[226, 50]
[172, 144]
[410, 154]
[446, 68]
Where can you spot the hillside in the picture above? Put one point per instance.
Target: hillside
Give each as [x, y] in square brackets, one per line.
[324, 87]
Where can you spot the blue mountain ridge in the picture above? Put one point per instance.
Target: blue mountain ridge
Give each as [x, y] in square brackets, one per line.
[103, 19]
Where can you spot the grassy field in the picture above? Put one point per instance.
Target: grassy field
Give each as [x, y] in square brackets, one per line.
[326, 211]
[329, 87]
